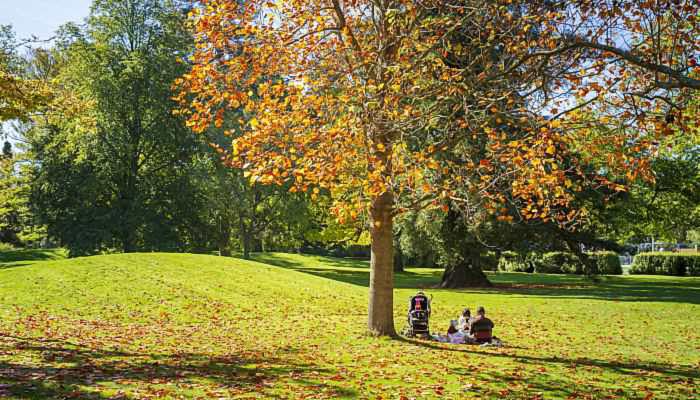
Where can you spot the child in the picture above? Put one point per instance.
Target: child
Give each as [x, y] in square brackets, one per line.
[465, 321]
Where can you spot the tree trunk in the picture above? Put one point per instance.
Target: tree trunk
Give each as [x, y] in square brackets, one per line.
[224, 238]
[398, 258]
[128, 242]
[257, 245]
[463, 275]
[245, 238]
[381, 278]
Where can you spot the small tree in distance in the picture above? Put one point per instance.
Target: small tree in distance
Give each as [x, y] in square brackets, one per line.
[391, 105]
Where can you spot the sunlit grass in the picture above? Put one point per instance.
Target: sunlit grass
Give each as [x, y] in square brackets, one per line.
[188, 326]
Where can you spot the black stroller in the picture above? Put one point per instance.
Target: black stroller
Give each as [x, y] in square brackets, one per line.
[418, 316]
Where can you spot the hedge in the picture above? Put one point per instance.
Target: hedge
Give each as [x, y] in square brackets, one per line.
[606, 263]
[666, 263]
[560, 262]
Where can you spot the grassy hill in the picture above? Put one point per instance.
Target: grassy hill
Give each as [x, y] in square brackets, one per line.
[290, 326]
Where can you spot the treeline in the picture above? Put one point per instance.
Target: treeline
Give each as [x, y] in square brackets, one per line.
[104, 165]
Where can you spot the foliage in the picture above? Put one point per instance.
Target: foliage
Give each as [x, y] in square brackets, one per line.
[511, 261]
[606, 262]
[662, 263]
[112, 165]
[558, 262]
[489, 261]
[667, 208]
[17, 224]
[19, 96]
[234, 211]
[189, 326]
[366, 94]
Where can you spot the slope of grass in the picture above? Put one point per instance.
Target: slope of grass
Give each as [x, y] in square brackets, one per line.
[289, 326]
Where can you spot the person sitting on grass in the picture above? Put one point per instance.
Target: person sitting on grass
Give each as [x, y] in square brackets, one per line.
[465, 321]
[481, 327]
[453, 334]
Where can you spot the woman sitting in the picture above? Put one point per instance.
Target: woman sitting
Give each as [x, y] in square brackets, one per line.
[454, 335]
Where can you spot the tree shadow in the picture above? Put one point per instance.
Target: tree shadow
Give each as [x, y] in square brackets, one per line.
[355, 272]
[14, 265]
[300, 261]
[23, 257]
[661, 373]
[612, 288]
[67, 370]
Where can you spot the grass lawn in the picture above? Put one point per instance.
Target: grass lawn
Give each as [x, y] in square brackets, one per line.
[290, 326]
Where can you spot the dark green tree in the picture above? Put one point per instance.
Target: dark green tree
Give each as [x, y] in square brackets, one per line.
[112, 161]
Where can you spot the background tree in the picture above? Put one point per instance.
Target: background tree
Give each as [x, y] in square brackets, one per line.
[112, 161]
[248, 215]
[17, 223]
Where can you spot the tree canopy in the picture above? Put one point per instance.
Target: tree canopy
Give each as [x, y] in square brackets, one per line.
[392, 105]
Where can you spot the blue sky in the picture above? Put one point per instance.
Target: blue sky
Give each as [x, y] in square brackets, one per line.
[41, 17]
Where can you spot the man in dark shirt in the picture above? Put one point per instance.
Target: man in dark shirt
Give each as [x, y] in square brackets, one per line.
[482, 327]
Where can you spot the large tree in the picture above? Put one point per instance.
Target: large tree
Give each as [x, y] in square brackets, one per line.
[391, 105]
[112, 161]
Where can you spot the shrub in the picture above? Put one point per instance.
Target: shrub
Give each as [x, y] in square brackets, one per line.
[606, 263]
[663, 263]
[489, 261]
[559, 262]
[511, 261]
[6, 247]
[693, 264]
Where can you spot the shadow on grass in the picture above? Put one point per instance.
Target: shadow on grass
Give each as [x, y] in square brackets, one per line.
[659, 372]
[299, 261]
[679, 290]
[22, 257]
[612, 288]
[351, 271]
[67, 370]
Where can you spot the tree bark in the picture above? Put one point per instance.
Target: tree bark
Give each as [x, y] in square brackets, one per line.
[245, 238]
[128, 242]
[398, 259]
[381, 278]
[224, 238]
[257, 245]
[463, 275]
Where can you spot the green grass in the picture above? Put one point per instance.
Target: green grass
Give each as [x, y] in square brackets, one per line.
[290, 326]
